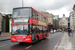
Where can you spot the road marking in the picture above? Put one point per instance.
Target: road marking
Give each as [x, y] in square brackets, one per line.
[56, 46]
[3, 45]
[28, 46]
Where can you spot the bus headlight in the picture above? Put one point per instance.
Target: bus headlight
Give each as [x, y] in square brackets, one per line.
[13, 38]
[27, 39]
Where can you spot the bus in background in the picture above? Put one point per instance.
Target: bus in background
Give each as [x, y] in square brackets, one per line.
[28, 25]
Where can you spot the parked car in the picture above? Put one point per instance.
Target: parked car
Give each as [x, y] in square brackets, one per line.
[51, 31]
[59, 30]
[54, 30]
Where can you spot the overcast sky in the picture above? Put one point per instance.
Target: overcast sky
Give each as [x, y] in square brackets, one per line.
[56, 7]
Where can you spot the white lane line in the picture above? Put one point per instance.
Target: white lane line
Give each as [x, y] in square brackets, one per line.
[3, 45]
[28, 46]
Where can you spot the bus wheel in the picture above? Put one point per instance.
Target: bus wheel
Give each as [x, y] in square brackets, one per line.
[37, 39]
[45, 36]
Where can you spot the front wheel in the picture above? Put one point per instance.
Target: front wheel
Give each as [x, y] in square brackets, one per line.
[20, 43]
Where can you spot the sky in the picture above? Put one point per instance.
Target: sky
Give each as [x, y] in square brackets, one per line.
[56, 7]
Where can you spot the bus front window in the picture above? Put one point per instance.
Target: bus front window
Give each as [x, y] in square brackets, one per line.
[22, 12]
[20, 29]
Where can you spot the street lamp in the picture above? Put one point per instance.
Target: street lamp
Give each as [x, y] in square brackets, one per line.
[22, 3]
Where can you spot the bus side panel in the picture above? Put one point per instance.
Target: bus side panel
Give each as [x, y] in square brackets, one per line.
[34, 21]
[39, 35]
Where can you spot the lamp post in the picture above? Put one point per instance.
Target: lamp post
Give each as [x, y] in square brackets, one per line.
[22, 3]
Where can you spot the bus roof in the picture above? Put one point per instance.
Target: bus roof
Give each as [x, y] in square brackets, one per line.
[22, 7]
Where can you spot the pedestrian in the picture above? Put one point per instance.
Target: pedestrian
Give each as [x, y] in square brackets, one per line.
[69, 31]
[62, 31]
[72, 31]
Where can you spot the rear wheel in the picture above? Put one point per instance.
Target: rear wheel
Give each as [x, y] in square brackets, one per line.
[45, 36]
[37, 39]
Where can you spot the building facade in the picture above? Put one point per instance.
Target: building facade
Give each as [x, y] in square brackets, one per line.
[50, 16]
[63, 23]
[50, 19]
[72, 18]
[2, 23]
[55, 23]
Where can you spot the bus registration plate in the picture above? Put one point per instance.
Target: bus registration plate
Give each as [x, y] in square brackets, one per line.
[19, 40]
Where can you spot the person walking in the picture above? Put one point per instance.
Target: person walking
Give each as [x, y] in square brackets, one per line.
[72, 31]
[69, 31]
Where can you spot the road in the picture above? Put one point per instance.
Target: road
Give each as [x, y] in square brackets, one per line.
[46, 44]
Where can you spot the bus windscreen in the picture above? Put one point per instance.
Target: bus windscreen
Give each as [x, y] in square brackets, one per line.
[20, 29]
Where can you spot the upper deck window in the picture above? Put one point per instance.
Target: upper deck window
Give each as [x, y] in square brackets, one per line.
[21, 12]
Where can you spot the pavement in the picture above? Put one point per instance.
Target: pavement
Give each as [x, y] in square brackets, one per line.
[5, 36]
[66, 42]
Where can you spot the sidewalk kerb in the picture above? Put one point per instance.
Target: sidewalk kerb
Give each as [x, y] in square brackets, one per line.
[4, 40]
[56, 47]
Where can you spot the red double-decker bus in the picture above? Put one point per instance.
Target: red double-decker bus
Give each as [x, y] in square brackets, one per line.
[28, 25]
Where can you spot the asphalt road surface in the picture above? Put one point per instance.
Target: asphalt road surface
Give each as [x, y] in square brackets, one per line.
[46, 44]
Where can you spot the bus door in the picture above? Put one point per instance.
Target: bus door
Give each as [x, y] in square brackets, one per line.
[42, 33]
[33, 33]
